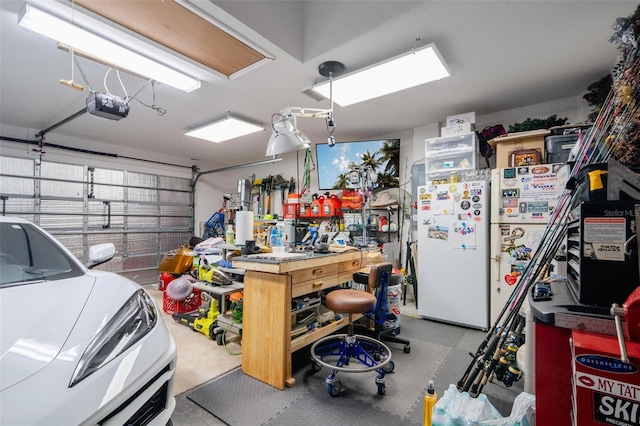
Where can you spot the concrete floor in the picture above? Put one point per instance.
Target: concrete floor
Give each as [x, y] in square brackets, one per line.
[201, 360]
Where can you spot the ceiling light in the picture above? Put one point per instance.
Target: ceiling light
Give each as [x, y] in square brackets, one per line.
[79, 38]
[286, 136]
[402, 72]
[227, 128]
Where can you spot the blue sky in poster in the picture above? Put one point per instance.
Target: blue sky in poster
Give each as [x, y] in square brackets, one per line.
[334, 161]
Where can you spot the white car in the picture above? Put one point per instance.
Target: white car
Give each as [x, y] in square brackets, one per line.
[78, 346]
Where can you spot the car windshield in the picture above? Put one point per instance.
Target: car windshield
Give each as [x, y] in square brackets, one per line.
[28, 255]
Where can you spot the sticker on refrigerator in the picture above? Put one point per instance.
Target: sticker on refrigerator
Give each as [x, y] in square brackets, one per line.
[464, 235]
[438, 232]
[443, 203]
[509, 173]
[511, 193]
[538, 206]
[523, 170]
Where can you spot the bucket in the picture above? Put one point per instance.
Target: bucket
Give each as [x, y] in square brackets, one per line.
[394, 294]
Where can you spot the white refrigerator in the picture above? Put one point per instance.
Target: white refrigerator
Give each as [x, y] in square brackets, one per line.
[522, 200]
[453, 247]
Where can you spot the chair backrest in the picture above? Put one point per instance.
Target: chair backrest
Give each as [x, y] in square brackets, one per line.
[378, 272]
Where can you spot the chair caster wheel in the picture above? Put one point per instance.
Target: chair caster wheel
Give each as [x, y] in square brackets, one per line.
[334, 388]
[315, 366]
[406, 349]
[381, 388]
[389, 367]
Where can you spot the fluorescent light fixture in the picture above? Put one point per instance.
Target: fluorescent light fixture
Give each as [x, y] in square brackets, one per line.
[227, 128]
[286, 137]
[79, 38]
[402, 72]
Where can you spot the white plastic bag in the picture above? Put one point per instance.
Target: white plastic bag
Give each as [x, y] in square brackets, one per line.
[457, 408]
[518, 416]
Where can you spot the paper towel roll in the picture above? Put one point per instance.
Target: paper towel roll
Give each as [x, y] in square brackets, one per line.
[244, 226]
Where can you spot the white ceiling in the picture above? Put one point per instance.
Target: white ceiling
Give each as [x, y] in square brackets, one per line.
[502, 55]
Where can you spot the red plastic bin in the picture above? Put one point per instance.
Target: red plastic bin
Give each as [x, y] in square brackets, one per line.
[190, 304]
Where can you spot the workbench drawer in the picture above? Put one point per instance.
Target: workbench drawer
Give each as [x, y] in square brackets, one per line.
[305, 287]
[350, 266]
[313, 273]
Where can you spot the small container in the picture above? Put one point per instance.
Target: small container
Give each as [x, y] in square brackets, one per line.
[230, 235]
[454, 178]
[430, 398]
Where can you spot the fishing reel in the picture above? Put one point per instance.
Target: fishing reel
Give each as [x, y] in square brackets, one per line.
[507, 370]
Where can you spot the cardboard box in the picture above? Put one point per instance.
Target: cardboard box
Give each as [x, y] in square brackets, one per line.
[506, 145]
[456, 129]
[606, 391]
[467, 117]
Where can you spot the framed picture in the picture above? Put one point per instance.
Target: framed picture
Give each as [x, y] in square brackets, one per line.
[524, 157]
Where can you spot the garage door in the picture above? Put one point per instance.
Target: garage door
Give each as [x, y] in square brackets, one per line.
[144, 215]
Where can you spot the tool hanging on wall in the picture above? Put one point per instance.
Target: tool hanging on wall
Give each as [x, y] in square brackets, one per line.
[267, 185]
[282, 185]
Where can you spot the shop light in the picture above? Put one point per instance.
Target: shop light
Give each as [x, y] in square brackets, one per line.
[104, 50]
[411, 69]
[286, 137]
[224, 129]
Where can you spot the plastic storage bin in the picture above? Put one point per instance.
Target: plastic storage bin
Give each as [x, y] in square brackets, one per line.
[559, 147]
[450, 154]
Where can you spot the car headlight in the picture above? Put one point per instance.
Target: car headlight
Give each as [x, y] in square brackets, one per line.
[134, 320]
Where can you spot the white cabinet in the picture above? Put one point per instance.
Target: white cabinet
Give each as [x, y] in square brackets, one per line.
[449, 155]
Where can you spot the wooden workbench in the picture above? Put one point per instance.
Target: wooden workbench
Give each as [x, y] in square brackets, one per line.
[268, 290]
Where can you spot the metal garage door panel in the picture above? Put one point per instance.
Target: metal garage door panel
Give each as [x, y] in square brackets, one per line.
[61, 171]
[61, 189]
[142, 179]
[113, 177]
[99, 215]
[174, 222]
[143, 195]
[26, 205]
[62, 207]
[142, 244]
[17, 166]
[73, 243]
[61, 214]
[170, 241]
[17, 186]
[103, 192]
[178, 184]
[175, 197]
[143, 209]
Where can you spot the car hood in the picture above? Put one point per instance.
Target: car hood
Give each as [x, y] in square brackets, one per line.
[37, 319]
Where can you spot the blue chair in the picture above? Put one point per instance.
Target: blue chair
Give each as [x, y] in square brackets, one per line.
[338, 350]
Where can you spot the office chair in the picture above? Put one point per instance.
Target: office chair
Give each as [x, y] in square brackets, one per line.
[336, 351]
[381, 315]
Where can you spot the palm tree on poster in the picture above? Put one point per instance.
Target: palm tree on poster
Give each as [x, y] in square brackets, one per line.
[390, 152]
[371, 160]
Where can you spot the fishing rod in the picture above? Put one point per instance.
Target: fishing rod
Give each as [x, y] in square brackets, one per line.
[589, 151]
[493, 342]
